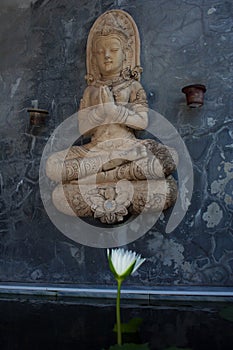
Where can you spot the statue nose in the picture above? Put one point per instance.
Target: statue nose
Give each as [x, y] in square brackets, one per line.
[107, 54]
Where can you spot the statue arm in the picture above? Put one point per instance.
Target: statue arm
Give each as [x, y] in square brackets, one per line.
[90, 114]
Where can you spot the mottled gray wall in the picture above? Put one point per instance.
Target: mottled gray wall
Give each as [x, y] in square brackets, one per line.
[43, 58]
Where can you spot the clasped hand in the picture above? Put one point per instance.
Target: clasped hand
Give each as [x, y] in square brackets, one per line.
[107, 108]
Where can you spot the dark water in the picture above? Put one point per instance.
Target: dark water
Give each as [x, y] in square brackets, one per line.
[43, 324]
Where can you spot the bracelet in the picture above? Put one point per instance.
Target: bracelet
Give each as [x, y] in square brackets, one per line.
[94, 117]
[122, 114]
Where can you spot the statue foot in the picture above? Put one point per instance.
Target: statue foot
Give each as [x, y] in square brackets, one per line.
[120, 157]
[134, 153]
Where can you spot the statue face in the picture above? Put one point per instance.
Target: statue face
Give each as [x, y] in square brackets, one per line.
[109, 55]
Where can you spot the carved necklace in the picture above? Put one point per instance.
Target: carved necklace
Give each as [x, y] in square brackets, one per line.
[115, 85]
[123, 86]
[110, 83]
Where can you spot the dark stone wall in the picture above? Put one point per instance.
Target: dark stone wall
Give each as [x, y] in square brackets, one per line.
[43, 58]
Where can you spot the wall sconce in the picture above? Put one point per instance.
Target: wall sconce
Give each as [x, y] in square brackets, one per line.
[194, 95]
[37, 116]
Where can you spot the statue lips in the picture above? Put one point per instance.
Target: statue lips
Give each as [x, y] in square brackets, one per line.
[108, 62]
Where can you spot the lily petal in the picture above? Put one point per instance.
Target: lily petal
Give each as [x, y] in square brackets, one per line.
[123, 262]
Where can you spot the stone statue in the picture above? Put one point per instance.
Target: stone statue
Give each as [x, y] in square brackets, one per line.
[108, 177]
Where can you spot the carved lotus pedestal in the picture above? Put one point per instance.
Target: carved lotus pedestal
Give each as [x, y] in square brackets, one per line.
[111, 202]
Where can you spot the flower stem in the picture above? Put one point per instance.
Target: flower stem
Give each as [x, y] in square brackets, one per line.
[118, 313]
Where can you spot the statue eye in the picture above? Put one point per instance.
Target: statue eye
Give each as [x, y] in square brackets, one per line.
[100, 51]
[114, 49]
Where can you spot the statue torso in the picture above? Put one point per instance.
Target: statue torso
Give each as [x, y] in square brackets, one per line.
[124, 93]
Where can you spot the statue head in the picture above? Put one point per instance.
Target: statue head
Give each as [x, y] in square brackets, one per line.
[113, 46]
[109, 55]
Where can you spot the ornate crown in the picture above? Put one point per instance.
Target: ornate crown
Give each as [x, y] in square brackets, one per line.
[115, 23]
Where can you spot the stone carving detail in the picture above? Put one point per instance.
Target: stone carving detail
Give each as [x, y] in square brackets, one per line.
[115, 173]
[111, 202]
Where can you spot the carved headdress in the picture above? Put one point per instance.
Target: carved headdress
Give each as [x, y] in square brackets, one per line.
[122, 25]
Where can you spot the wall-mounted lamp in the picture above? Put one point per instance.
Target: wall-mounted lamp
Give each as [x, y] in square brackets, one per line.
[194, 95]
[37, 116]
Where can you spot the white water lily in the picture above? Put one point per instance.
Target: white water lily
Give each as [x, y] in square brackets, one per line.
[123, 262]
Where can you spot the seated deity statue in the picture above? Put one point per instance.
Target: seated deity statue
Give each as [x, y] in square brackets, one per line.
[114, 105]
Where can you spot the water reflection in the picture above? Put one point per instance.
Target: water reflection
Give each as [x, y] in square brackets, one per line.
[43, 324]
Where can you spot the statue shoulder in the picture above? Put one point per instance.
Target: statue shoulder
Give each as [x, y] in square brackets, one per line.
[90, 89]
[137, 92]
[90, 96]
[136, 85]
